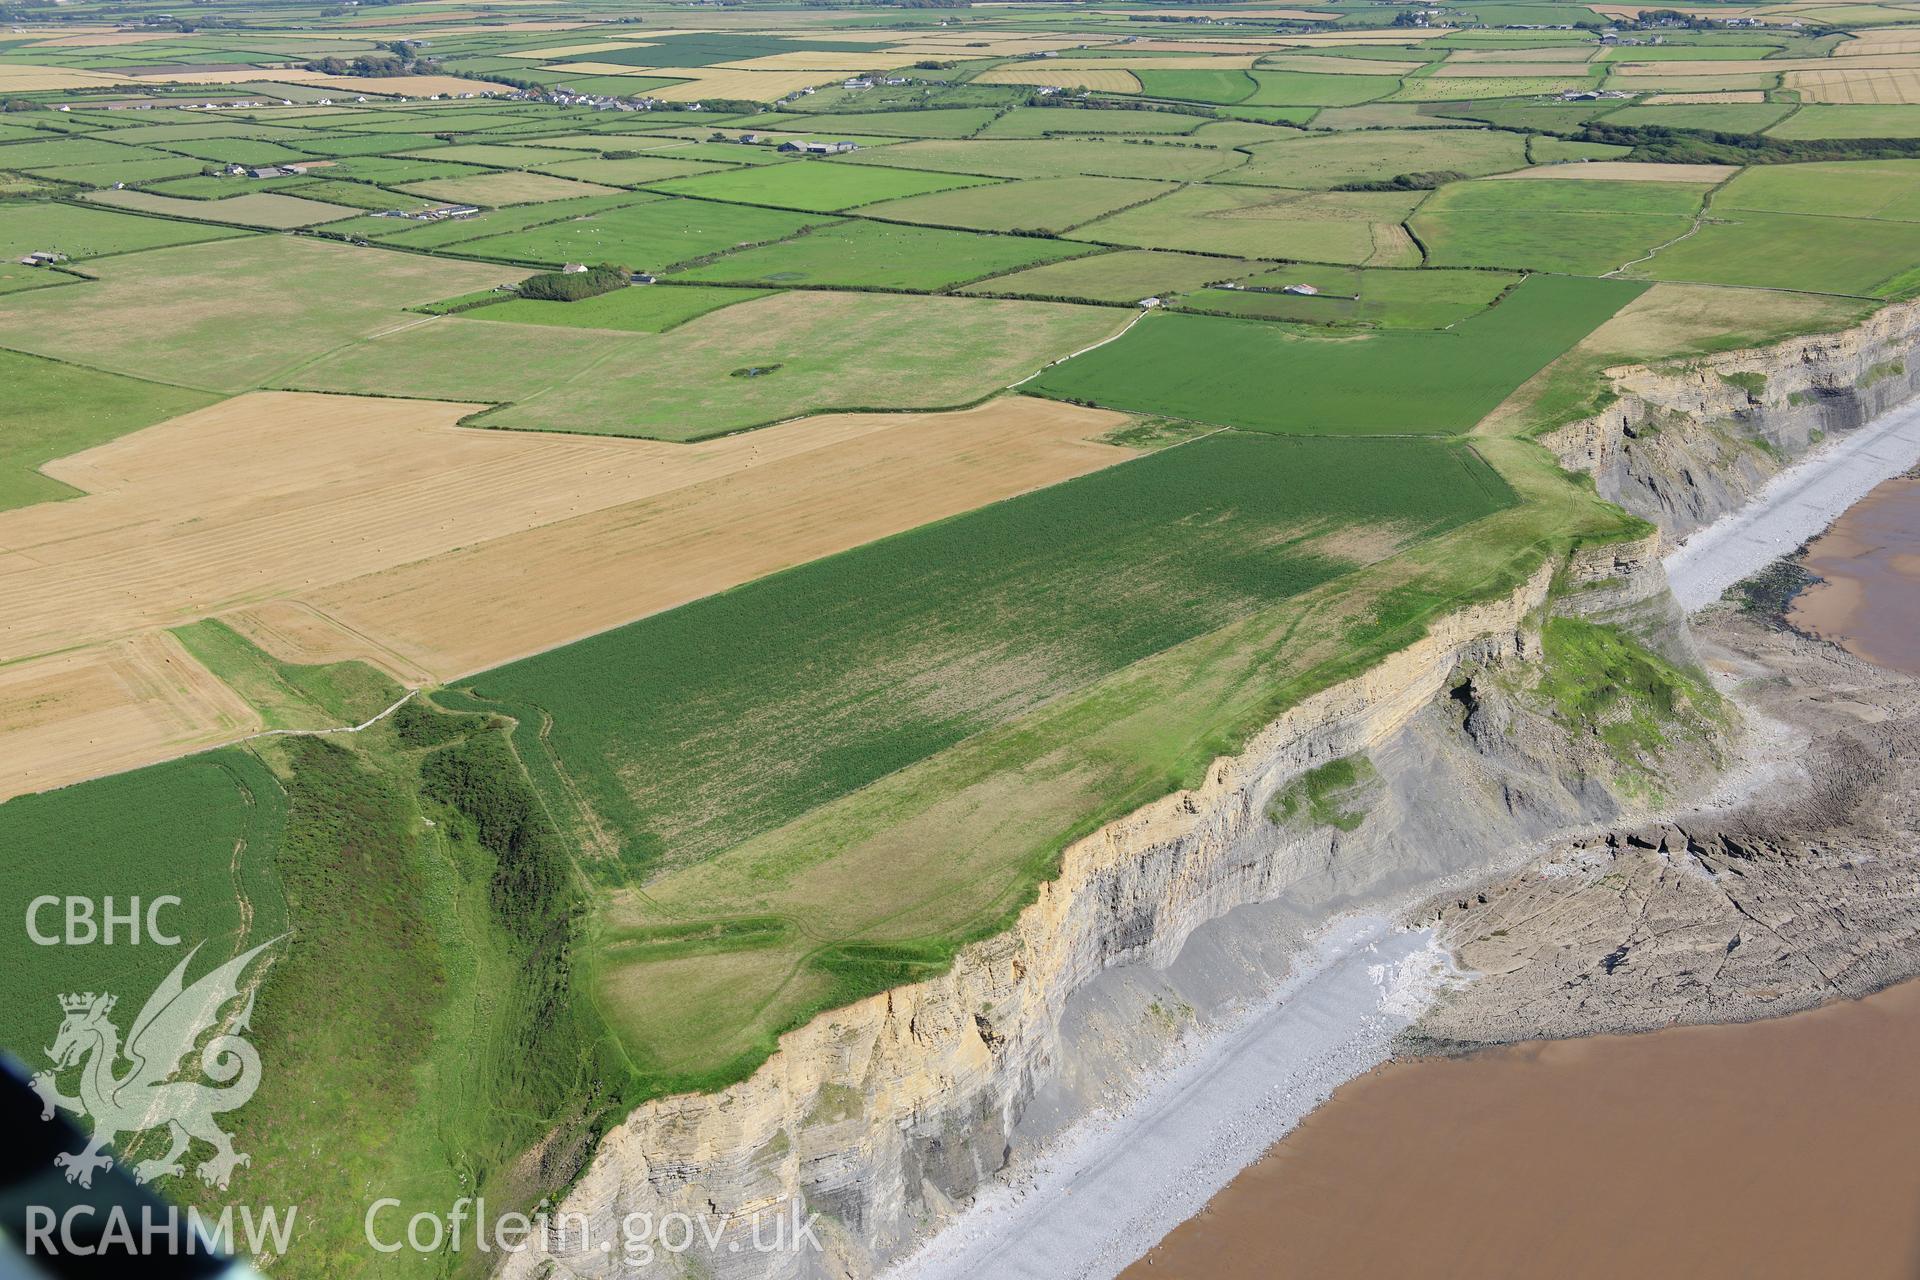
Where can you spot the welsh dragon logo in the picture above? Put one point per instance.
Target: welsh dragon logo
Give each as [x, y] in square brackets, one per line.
[144, 1095]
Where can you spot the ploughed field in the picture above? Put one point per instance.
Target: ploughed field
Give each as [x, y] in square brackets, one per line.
[750, 542]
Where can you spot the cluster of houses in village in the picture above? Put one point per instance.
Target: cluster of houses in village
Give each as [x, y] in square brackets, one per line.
[562, 96]
[233, 104]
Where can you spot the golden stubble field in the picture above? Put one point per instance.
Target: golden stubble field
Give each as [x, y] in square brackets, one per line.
[109, 707]
[330, 527]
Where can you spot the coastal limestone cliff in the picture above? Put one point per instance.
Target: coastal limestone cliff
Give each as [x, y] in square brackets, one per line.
[1684, 446]
[1806, 891]
[887, 1115]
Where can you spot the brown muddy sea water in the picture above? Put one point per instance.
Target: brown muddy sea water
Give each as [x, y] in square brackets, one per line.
[1787, 1148]
[1869, 602]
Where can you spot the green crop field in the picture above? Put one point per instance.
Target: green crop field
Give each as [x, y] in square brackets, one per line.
[1040, 122]
[731, 153]
[18, 277]
[802, 352]
[1125, 275]
[646, 234]
[1049, 205]
[1381, 155]
[813, 186]
[1234, 132]
[1528, 113]
[1357, 296]
[687, 1015]
[1272, 378]
[1198, 85]
[630, 310]
[1467, 88]
[881, 255]
[892, 878]
[953, 122]
[1859, 256]
[205, 830]
[452, 357]
[380, 147]
[90, 233]
[492, 155]
[1731, 117]
[987, 614]
[265, 209]
[379, 168]
[493, 190]
[51, 410]
[1820, 120]
[1884, 189]
[58, 152]
[1561, 151]
[704, 48]
[1361, 228]
[1311, 89]
[1579, 226]
[1018, 158]
[155, 315]
[492, 223]
[631, 171]
[237, 151]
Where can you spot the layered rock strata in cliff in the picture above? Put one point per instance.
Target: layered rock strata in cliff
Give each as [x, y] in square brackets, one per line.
[1684, 446]
[886, 1115]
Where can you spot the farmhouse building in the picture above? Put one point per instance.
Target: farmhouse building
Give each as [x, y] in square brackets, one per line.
[1305, 290]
